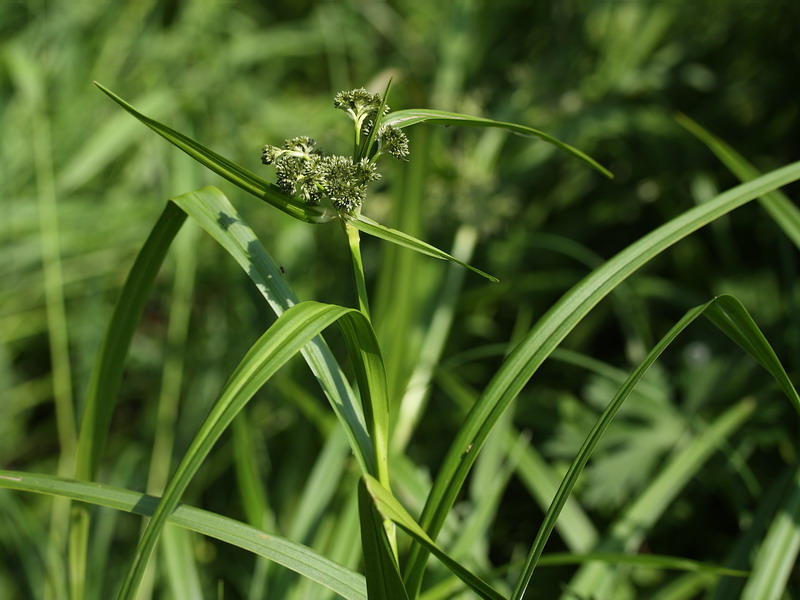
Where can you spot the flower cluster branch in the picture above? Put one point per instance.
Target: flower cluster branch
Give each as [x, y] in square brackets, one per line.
[305, 172]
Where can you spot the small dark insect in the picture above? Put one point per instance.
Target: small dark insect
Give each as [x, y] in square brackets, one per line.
[283, 271]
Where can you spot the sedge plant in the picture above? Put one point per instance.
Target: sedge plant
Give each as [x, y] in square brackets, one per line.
[319, 188]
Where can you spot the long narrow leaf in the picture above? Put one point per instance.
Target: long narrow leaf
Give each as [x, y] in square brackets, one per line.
[107, 373]
[718, 310]
[630, 529]
[293, 330]
[779, 551]
[548, 332]
[291, 555]
[213, 212]
[785, 214]
[226, 168]
[391, 509]
[382, 573]
[369, 226]
[651, 561]
[412, 116]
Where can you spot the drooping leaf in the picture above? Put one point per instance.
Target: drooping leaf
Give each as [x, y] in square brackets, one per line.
[724, 311]
[373, 228]
[550, 330]
[294, 556]
[785, 214]
[231, 171]
[293, 330]
[391, 509]
[412, 116]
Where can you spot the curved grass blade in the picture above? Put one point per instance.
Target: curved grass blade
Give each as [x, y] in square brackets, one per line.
[548, 332]
[391, 509]
[628, 531]
[777, 205]
[298, 558]
[293, 330]
[373, 228]
[412, 116]
[107, 373]
[382, 573]
[228, 169]
[211, 209]
[778, 553]
[651, 561]
[722, 311]
[213, 212]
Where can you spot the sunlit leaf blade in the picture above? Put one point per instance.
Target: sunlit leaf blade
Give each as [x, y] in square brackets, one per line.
[548, 332]
[213, 212]
[777, 205]
[382, 573]
[291, 555]
[651, 561]
[412, 116]
[373, 228]
[718, 311]
[391, 509]
[779, 551]
[293, 330]
[234, 173]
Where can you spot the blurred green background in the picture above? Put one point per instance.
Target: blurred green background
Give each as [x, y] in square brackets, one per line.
[81, 183]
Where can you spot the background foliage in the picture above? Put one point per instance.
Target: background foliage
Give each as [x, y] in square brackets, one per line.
[82, 183]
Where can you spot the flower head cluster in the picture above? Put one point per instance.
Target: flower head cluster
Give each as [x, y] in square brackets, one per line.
[393, 140]
[297, 165]
[305, 172]
[346, 181]
[359, 105]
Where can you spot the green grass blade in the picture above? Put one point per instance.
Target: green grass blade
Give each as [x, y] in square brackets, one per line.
[651, 561]
[732, 318]
[412, 116]
[291, 555]
[548, 332]
[629, 530]
[213, 212]
[371, 227]
[777, 205]
[382, 573]
[391, 509]
[778, 554]
[234, 173]
[107, 374]
[293, 330]
[722, 311]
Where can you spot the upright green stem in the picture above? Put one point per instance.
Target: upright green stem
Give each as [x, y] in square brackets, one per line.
[354, 242]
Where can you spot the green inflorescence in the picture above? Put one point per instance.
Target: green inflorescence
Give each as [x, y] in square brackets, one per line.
[305, 172]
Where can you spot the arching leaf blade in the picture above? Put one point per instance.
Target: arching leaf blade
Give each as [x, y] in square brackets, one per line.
[785, 214]
[551, 329]
[229, 170]
[293, 330]
[294, 556]
[395, 236]
[212, 210]
[722, 311]
[391, 509]
[413, 116]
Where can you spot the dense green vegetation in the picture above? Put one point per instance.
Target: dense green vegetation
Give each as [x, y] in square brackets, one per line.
[701, 461]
